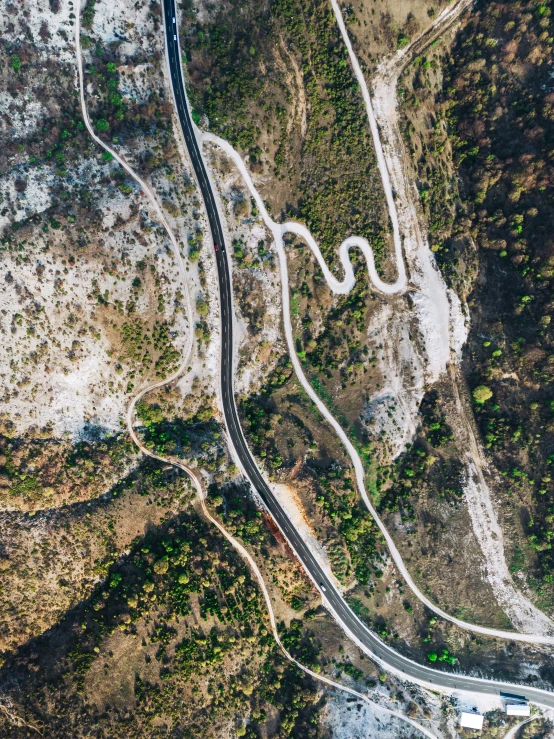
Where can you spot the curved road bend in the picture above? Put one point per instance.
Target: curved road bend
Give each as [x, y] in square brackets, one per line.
[406, 668]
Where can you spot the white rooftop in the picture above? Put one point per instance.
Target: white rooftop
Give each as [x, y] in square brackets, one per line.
[518, 709]
[471, 720]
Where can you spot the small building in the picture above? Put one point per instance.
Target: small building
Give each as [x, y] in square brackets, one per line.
[518, 709]
[471, 720]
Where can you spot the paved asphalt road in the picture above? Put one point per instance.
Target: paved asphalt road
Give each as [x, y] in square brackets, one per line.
[348, 619]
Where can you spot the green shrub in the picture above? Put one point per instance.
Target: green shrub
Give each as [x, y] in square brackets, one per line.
[115, 579]
[402, 41]
[88, 14]
[202, 307]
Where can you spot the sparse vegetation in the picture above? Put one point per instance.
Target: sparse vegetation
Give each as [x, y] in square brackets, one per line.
[317, 170]
[189, 605]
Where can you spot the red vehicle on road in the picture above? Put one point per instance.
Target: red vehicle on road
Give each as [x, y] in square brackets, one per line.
[215, 247]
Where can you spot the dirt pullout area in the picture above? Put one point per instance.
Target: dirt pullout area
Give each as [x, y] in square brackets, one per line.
[291, 504]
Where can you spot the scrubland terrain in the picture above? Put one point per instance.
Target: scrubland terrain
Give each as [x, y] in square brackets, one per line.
[348, 346]
[115, 593]
[123, 613]
[92, 311]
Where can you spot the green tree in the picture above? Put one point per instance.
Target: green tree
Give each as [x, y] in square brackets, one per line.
[481, 394]
[102, 124]
[16, 63]
[161, 567]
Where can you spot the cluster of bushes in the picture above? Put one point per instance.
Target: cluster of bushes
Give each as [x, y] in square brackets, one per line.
[425, 469]
[113, 114]
[339, 347]
[38, 471]
[242, 258]
[241, 517]
[437, 431]
[442, 656]
[256, 413]
[138, 343]
[196, 438]
[338, 497]
[300, 643]
[107, 83]
[87, 15]
[195, 245]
